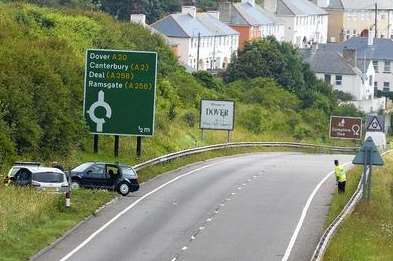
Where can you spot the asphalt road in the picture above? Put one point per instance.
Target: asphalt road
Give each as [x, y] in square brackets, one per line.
[235, 208]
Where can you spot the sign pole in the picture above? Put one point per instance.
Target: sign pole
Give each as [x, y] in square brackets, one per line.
[138, 146]
[369, 184]
[116, 146]
[364, 179]
[229, 136]
[95, 143]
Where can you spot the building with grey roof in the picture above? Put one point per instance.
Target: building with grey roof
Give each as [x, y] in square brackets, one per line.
[251, 21]
[378, 51]
[203, 41]
[351, 18]
[306, 23]
[343, 73]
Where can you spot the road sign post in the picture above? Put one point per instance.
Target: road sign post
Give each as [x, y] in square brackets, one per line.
[368, 156]
[119, 93]
[95, 143]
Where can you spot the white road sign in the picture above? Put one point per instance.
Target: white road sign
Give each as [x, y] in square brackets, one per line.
[376, 123]
[217, 115]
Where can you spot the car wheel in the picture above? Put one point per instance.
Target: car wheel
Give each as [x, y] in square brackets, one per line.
[124, 189]
[75, 185]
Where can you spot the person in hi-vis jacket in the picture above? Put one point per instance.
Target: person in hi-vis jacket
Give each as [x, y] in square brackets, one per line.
[341, 176]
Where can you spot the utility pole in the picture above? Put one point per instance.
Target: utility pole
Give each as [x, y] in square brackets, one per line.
[376, 20]
[199, 46]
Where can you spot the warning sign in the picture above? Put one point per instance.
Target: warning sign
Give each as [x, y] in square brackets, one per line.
[375, 123]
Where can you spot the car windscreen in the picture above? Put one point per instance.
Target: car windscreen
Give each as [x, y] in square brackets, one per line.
[82, 167]
[48, 177]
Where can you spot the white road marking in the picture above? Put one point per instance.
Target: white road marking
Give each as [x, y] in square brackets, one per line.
[92, 236]
[303, 216]
[208, 220]
[184, 248]
[201, 228]
[174, 259]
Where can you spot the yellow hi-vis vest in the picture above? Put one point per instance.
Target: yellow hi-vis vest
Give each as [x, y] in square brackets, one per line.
[340, 174]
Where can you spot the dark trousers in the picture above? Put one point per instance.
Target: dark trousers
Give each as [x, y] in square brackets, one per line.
[341, 187]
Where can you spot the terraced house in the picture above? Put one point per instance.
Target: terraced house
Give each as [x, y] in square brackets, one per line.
[203, 41]
[251, 21]
[305, 22]
[349, 18]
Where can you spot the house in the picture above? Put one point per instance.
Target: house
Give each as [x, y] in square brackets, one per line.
[203, 41]
[343, 73]
[140, 19]
[351, 18]
[305, 22]
[251, 21]
[378, 51]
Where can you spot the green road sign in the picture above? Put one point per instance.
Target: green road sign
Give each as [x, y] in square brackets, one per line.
[120, 91]
[373, 155]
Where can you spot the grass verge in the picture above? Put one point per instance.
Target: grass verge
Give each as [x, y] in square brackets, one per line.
[31, 220]
[368, 233]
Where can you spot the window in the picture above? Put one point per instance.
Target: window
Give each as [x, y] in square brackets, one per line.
[370, 80]
[375, 84]
[375, 64]
[386, 68]
[386, 86]
[328, 78]
[339, 80]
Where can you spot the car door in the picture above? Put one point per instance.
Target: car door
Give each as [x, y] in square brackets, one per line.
[95, 176]
[113, 173]
[22, 177]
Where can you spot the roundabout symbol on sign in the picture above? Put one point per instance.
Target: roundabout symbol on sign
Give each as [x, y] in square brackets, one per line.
[99, 103]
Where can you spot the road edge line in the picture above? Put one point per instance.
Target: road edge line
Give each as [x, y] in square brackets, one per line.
[98, 231]
[304, 214]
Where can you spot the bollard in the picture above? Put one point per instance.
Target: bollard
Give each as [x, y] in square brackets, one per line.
[68, 199]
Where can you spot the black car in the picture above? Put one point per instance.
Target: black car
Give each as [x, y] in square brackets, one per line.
[119, 177]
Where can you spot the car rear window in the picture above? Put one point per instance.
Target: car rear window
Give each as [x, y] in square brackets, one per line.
[48, 177]
[128, 171]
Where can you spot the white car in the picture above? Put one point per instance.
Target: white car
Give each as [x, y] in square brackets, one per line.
[41, 178]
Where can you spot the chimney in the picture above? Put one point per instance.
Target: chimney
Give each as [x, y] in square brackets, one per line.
[190, 10]
[350, 56]
[216, 14]
[270, 5]
[138, 19]
[251, 2]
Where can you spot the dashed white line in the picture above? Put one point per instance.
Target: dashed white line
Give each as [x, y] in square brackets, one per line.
[92, 236]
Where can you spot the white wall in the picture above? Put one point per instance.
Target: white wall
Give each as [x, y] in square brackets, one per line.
[314, 27]
[218, 48]
[381, 76]
[276, 30]
[361, 91]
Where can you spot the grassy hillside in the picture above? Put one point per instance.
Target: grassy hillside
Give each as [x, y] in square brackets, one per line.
[41, 87]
